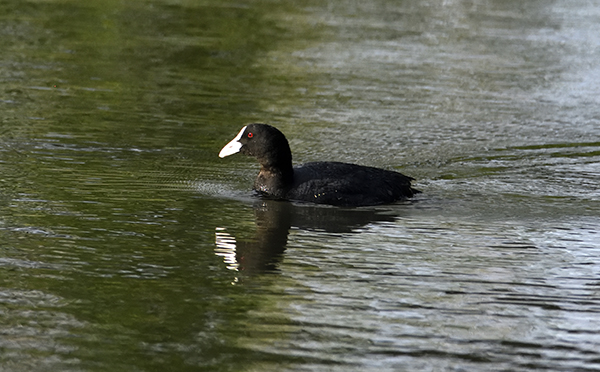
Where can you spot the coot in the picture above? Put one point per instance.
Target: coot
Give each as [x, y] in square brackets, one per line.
[334, 183]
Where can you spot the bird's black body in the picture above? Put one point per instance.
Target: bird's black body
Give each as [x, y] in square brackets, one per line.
[332, 183]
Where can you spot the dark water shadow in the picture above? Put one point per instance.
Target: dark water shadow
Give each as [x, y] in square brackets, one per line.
[274, 220]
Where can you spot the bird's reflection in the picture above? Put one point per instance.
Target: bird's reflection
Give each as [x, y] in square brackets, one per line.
[274, 219]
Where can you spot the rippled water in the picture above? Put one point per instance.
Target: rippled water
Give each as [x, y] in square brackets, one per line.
[126, 244]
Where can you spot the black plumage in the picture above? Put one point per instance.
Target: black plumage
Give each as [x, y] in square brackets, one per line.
[333, 183]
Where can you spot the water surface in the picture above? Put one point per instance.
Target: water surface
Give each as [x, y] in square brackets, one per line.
[126, 244]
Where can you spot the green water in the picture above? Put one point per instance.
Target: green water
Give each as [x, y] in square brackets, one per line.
[108, 110]
[126, 244]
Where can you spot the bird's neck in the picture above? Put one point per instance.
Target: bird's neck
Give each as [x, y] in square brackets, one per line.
[274, 181]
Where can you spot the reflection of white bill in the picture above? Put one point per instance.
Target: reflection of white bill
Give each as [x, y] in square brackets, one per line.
[225, 247]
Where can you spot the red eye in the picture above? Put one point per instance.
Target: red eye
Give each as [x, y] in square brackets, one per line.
[250, 135]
